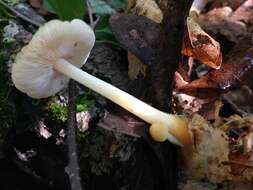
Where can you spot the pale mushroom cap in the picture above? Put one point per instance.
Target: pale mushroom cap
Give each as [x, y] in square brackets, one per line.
[33, 72]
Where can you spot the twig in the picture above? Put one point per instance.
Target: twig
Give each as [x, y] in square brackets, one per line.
[73, 166]
[231, 162]
[92, 23]
[235, 107]
[25, 18]
[97, 20]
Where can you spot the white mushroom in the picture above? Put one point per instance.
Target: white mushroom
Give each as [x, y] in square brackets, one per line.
[55, 54]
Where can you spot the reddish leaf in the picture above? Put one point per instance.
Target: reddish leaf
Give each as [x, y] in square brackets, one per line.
[201, 46]
[239, 162]
[233, 73]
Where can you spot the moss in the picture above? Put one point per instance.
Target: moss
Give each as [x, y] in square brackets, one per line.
[58, 111]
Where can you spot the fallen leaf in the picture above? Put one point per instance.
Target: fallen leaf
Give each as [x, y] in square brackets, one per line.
[124, 125]
[233, 73]
[238, 162]
[179, 80]
[139, 34]
[210, 110]
[244, 13]
[218, 21]
[227, 77]
[135, 67]
[240, 134]
[147, 8]
[233, 4]
[185, 69]
[241, 100]
[201, 46]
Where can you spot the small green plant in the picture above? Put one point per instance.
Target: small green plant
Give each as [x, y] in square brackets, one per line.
[65, 9]
[84, 104]
[68, 10]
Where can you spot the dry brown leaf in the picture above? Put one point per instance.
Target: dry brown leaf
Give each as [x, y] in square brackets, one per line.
[234, 4]
[238, 162]
[218, 157]
[210, 110]
[241, 100]
[135, 67]
[235, 71]
[122, 124]
[201, 46]
[219, 81]
[240, 148]
[244, 13]
[147, 8]
[237, 122]
[218, 21]
[179, 80]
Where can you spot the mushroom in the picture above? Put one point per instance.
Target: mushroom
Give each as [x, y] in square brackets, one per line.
[56, 53]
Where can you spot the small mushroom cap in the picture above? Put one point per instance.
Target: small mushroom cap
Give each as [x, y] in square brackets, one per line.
[159, 132]
[33, 71]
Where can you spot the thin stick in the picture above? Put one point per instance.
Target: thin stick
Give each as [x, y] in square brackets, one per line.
[92, 24]
[73, 166]
[25, 18]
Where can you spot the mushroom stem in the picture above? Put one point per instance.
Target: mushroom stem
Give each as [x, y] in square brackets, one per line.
[176, 126]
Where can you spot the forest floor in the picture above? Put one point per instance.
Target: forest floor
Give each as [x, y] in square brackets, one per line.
[212, 88]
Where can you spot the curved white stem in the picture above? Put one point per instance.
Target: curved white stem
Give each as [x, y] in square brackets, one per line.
[199, 5]
[140, 109]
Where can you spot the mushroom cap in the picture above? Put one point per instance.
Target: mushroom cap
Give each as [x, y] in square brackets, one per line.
[33, 71]
[159, 132]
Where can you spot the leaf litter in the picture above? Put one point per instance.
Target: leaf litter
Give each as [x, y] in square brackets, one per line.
[218, 100]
